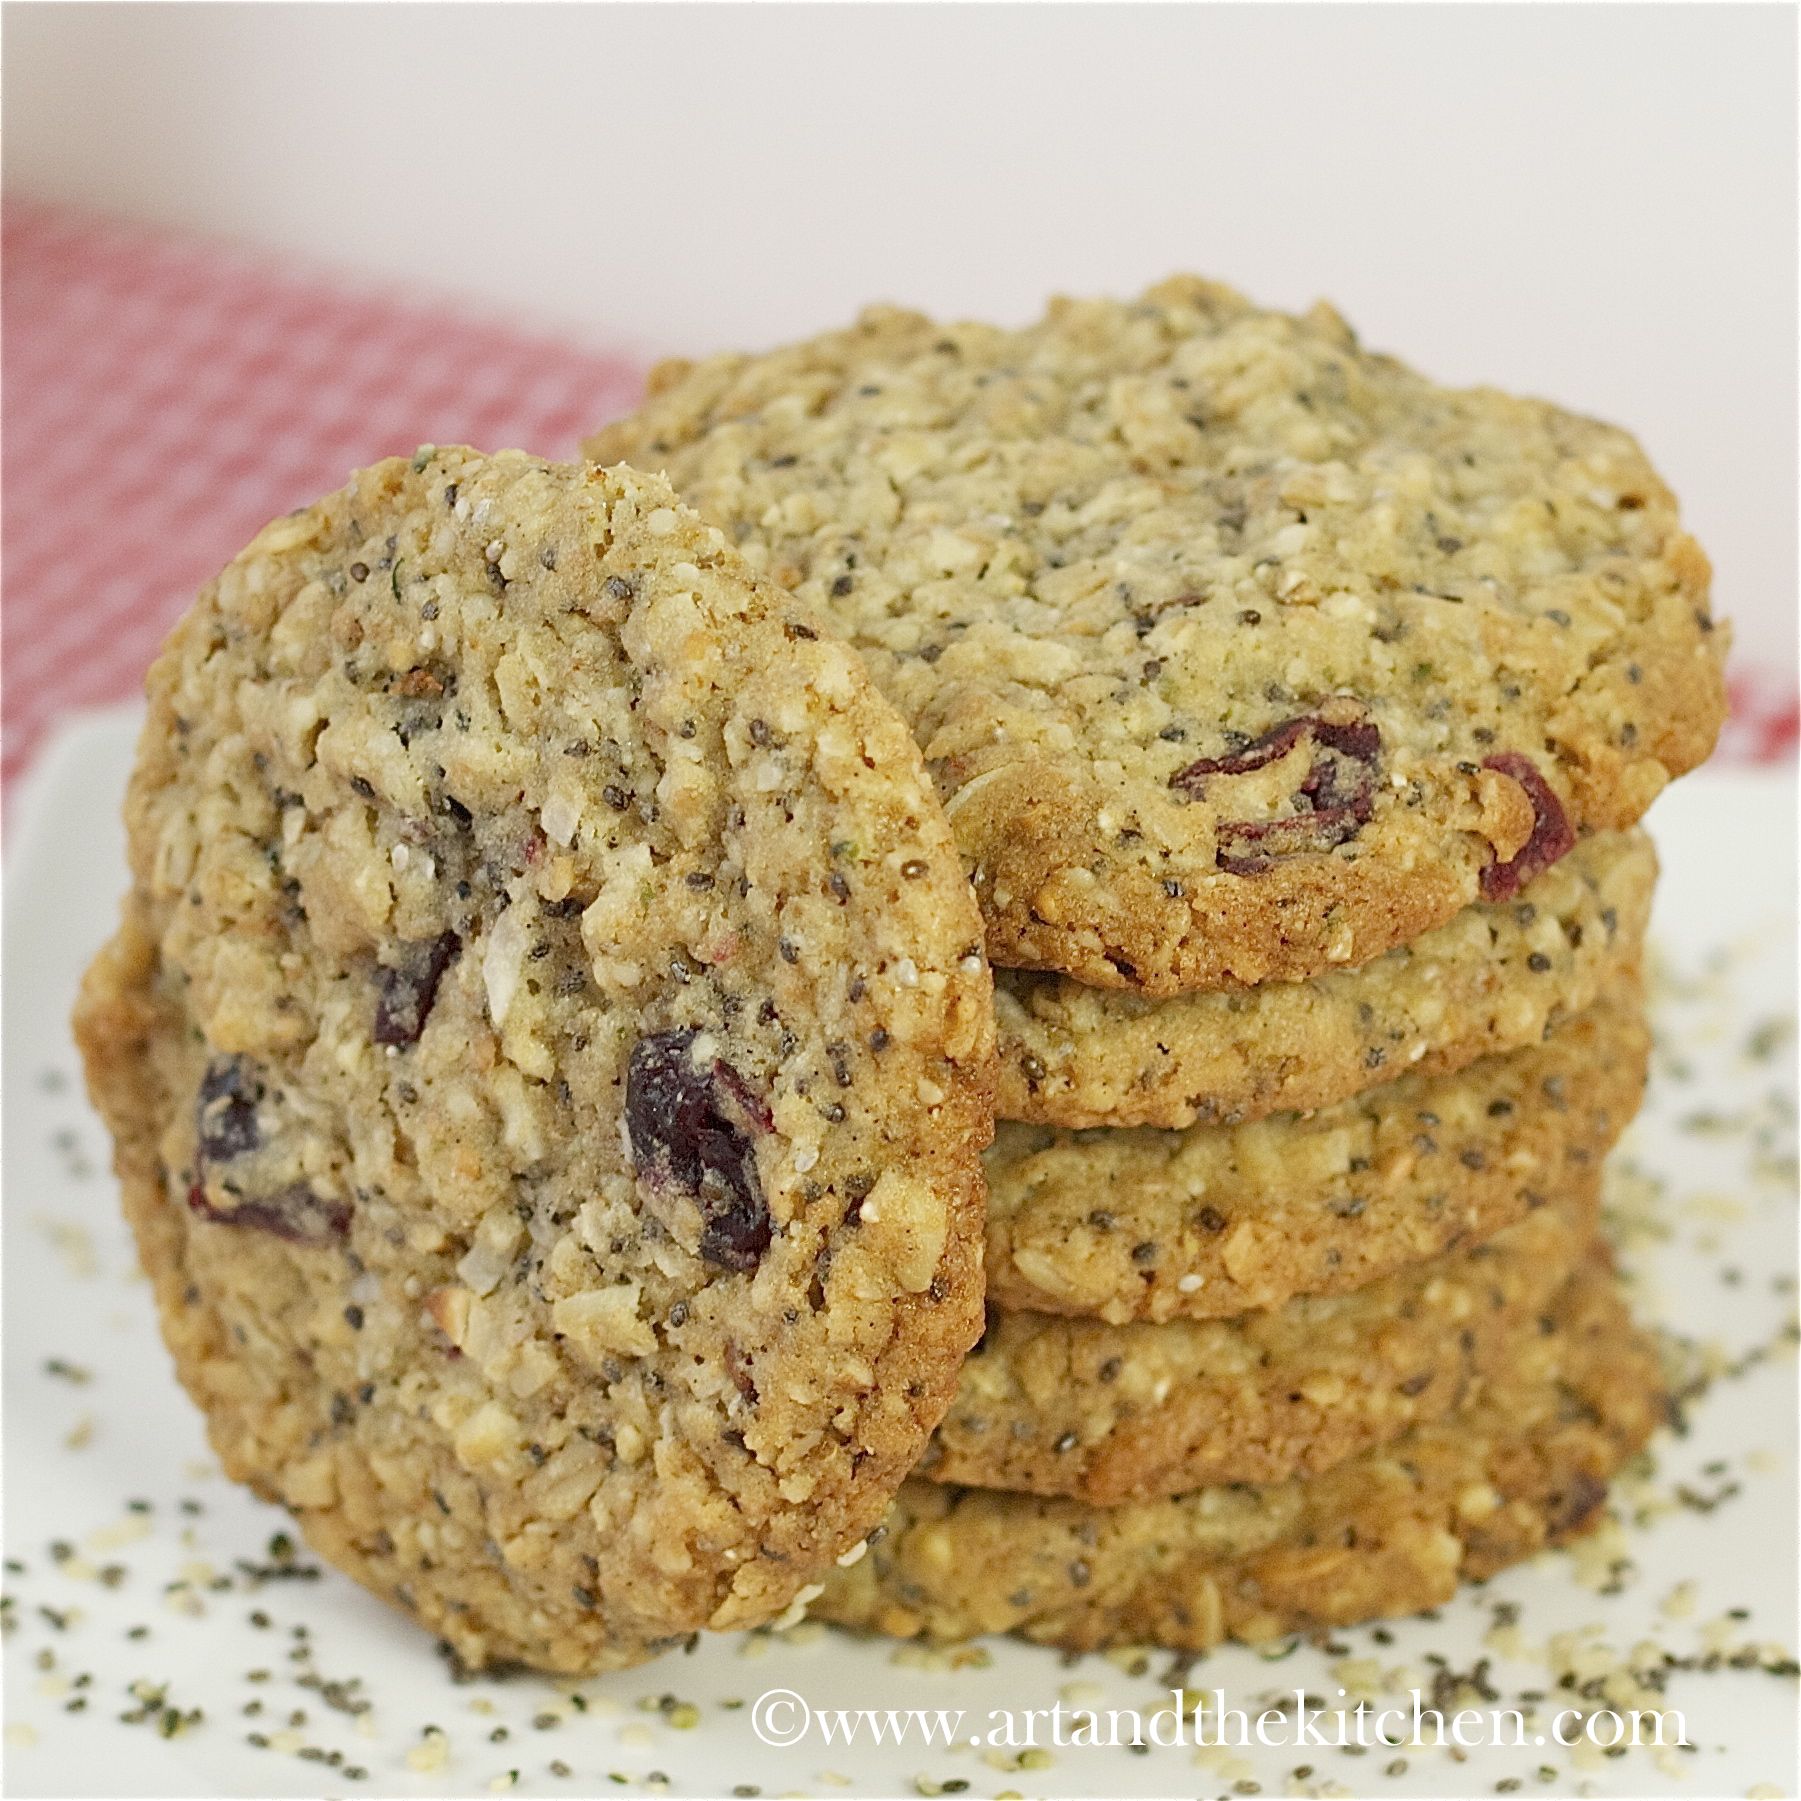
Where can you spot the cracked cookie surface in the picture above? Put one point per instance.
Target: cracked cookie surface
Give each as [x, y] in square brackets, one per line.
[1106, 1414]
[549, 1051]
[1213, 1221]
[1388, 1533]
[1496, 976]
[1238, 652]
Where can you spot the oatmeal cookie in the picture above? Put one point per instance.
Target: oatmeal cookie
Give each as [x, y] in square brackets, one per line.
[549, 1052]
[1238, 652]
[1217, 1220]
[1391, 1532]
[1497, 975]
[1127, 1413]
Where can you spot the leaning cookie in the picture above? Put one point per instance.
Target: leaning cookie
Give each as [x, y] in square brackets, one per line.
[1216, 1220]
[1107, 1414]
[549, 1051]
[1239, 652]
[1389, 1533]
[1496, 976]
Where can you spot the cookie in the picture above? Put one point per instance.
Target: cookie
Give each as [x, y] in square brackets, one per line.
[549, 1052]
[1495, 976]
[1217, 1220]
[1391, 1532]
[1108, 1414]
[1238, 652]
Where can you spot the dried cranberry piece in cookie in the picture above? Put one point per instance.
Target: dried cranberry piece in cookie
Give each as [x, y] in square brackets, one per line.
[1552, 834]
[1278, 741]
[237, 1122]
[691, 1122]
[1333, 802]
[1344, 766]
[408, 988]
[294, 1213]
[225, 1123]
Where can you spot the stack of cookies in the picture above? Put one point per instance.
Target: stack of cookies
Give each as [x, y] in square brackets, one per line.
[1281, 1368]
[1294, 716]
[551, 1042]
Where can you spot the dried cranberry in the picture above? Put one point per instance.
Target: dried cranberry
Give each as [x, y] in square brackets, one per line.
[231, 1124]
[408, 988]
[1552, 834]
[294, 1214]
[1332, 804]
[225, 1121]
[1278, 741]
[692, 1124]
[1344, 768]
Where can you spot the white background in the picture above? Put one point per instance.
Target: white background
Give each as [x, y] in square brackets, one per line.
[1593, 203]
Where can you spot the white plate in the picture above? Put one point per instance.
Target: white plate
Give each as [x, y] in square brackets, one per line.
[106, 1425]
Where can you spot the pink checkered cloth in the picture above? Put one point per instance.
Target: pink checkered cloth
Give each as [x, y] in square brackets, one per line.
[164, 397]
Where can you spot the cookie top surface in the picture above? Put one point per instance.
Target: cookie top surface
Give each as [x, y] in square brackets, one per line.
[1107, 1414]
[1495, 976]
[1145, 1224]
[1386, 1533]
[1237, 651]
[573, 1054]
